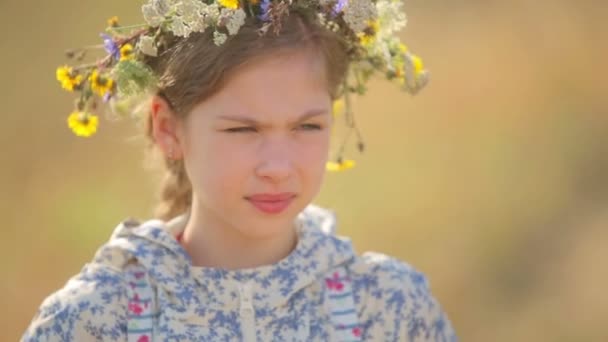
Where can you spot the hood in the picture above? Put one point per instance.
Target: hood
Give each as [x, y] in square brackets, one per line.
[153, 243]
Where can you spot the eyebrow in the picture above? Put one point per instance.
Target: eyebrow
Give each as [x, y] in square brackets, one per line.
[251, 121]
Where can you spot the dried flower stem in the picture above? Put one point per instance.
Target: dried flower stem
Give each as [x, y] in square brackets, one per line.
[103, 62]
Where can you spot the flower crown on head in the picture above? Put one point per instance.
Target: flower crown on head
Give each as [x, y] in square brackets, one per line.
[369, 28]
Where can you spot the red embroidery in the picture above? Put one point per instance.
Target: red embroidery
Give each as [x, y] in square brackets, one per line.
[334, 283]
[135, 308]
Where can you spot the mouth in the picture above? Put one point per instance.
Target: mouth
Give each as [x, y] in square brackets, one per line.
[271, 203]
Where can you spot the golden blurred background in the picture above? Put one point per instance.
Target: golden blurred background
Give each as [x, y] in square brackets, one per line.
[493, 181]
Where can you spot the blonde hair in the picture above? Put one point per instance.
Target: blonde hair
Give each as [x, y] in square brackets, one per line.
[194, 68]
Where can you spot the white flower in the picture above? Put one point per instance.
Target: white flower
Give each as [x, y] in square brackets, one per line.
[162, 7]
[157, 11]
[237, 19]
[190, 10]
[391, 16]
[147, 46]
[151, 15]
[219, 38]
[212, 13]
[358, 12]
[179, 28]
[198, 25]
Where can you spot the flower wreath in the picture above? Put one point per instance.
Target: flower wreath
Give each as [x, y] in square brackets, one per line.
[369, 28]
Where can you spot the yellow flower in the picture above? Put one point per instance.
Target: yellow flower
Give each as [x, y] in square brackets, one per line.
[417, 63]
[337, 108]
[233, 4]
[68, 78]
[340, 165]
[100, 84]
[83, 124]
[366, 39]
[369, 33]
[126, 52]
[113, 22]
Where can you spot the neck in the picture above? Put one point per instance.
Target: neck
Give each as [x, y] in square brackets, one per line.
[211, 242]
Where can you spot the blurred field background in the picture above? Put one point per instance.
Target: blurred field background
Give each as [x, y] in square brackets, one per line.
[493, 181]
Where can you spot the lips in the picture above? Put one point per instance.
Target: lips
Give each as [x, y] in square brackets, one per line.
[271, 203]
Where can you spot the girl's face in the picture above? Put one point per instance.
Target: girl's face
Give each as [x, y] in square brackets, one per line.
[255, 152]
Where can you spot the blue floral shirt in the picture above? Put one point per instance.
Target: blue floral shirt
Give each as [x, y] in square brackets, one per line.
[289, 300]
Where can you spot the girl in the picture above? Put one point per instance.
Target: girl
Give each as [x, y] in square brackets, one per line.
[241, 112]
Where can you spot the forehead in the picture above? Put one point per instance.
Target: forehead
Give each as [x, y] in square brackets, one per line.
[280, 86]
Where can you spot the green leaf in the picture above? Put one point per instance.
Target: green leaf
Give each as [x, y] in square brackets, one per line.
[133, 77]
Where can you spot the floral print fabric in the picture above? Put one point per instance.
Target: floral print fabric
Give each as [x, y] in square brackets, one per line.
[287, 301]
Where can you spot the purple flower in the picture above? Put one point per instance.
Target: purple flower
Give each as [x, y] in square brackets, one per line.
[110, 46]
[265, 7]
[338, 7]
[107, 96]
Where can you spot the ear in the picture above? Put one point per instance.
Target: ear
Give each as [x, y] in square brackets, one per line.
[166, 128]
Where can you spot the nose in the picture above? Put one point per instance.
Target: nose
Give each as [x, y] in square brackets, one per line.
[275, 163]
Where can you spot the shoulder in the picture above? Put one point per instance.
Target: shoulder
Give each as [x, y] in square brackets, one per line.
[90, 306]
[380, 265]
[398, 295]
[389, 282]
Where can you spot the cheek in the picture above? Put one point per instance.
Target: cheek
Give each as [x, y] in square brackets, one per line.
[215, 167]
[311, 162]
[312, 154]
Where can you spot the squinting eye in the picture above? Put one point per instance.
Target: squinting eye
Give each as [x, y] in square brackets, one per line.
[310, 127]
[240, 129]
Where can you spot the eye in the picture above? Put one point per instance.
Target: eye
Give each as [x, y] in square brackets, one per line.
[243, 129]
[310, 127]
